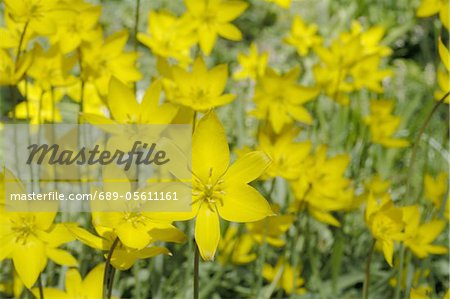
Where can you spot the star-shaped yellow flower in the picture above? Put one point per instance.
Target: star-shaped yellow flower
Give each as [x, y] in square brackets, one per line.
[211, 18]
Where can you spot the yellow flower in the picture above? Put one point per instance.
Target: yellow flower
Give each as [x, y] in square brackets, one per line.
[12, 288]
[420, 292]
[103, 59]
[352, 62]
[279, 99]
[429, 8]
[253, 65]
[51, 69]
[303, 37]
[322, 187]
[443, 78]
[436, 188]
[287, 156]
[383, 124]
[41, 106]
[168, 36]
[211, 18]
[31, 238]
[123, 257]
[201, 89]
[92, 103]
[125, 109]
[418, 237]
[376, 187]
[290, 280]
[385, 222]
[134, 228]
[367, 75]
[76, 287]
[40, 15]
[281, 3]
[10, 72]
[271, 229]
[13, 32]
[78, 28]
[220, 190]
[447, 208]
[369, 39]
[421, 273]
[236, 249]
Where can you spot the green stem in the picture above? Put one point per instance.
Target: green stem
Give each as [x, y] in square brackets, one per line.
[136, 23]
[417, 140]
[80, 64]
[196, 271]
[261, 261]
[367, 272]
[409, 272]
[136, 28]
[112, 271]
[53, 132]
[19, 47]
[16, 61]
[107, 281]
[194, 120]
[272, 187]
[400, 272]
[41, 288]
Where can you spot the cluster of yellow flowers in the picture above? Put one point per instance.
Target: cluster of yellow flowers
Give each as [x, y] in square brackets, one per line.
[56, 49]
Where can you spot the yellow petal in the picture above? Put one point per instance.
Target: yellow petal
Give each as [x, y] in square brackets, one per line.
[73, 282]
[207, 38]
[211, 154]
[243, 204]
[7, 245]
[168, 235]
[436, 249]
[51, 293]
[268, 272]
[230, 10]
[388, 251]
[325, 217]
[444, 15]
[134, 236]
[61, 257]
[217, 78]
[247, 168]
[90, 239]
[428, 8]
[29, 260]
[207, 231]
[195, 7]
[230, 32]
[151, 252]
[151, 111]
[300, 114]
[115, 43]
[121, 101]
[92, 284]
[444, 54]
[428, 232]
[58, 235]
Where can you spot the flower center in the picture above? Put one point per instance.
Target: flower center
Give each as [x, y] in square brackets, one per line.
[209, 17]
[134, 218]
[209, 192]
[384, 227]
[199, 95]
[23, 228]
